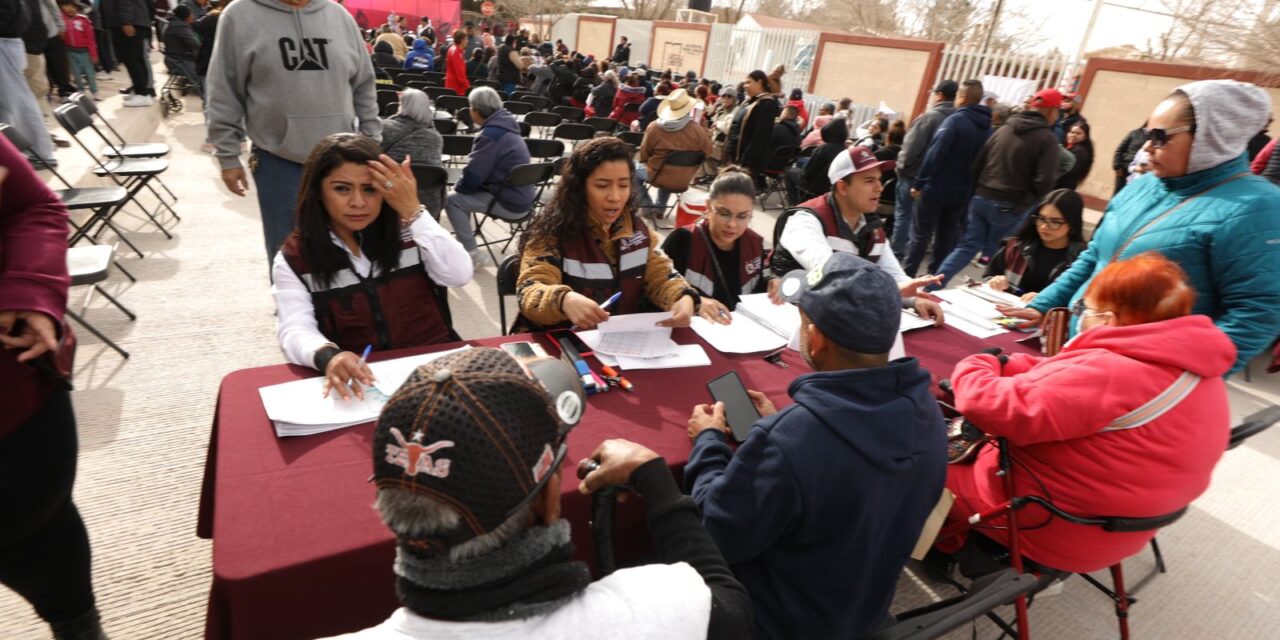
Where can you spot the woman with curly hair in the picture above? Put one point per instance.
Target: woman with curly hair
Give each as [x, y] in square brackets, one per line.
[589, 244]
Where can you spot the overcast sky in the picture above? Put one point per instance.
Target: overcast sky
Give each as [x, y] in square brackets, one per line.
[1062, 23]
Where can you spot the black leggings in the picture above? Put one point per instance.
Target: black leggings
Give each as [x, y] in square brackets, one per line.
[44, 548]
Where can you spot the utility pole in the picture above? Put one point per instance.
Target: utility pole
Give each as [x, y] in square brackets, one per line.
[1088, 31]
[995, 21]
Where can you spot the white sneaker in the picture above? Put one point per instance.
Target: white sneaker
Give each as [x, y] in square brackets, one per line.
[479, 257]
[138, 101]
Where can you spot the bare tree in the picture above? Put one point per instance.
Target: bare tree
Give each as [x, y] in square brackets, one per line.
[869, 17]
[647, 9]
[1242, 34]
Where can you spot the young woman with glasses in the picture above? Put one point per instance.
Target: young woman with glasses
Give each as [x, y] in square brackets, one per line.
[719, 254]
[1046, 245]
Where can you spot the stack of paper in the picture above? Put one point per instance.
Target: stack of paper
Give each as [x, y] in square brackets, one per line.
[911, 322]
[635, 341]
[758, 325]
[297, 408]
[970, 312]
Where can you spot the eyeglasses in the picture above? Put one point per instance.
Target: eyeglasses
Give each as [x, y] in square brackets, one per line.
[1160, 137]
[726, 215]
[1052, 223]
[1079, 310]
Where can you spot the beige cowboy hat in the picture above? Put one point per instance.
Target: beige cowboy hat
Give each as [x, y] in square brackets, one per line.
[675, 105]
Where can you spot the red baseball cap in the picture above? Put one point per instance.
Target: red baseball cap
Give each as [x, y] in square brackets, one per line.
[1048, 98]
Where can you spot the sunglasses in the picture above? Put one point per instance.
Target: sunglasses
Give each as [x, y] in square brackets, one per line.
[1052, 223]
[1160, 137]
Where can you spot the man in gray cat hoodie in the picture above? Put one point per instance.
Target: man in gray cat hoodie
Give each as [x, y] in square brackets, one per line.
[287, 73]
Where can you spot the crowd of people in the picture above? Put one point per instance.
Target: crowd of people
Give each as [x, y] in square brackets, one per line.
[803, 529]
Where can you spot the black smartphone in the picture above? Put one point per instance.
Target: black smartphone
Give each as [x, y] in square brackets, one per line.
[577, 342]
[739, 411]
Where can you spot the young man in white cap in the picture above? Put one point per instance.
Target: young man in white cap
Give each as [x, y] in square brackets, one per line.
[672, 131]
[467, 459]
[836, 222]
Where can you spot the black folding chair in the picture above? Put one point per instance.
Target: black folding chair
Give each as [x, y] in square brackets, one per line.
[120, 148]
[406, 77]
[485, 82]
[463, 118]
[451, 104]
[684, 159]
[574, 133]
[507, 276]
[435, 93]
[457, 147]
[101, 202]
[433, 76]
[775, 175]
[421, 85]
[633, 138]
[938, 619]
[543, 121]
[445, 126]
[545, 150]
[386, 98]
[430, 176]
[525, 175]
[88, 265]
[525, 129]
[134, 174]
[395, 72]
[602, 125]
[518, 108]
[570, 114]
[541, 103]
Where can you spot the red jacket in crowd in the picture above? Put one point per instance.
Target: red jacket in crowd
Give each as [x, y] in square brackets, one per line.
[455, 71]
[1052, 411]
[33, 277]
[79, 34]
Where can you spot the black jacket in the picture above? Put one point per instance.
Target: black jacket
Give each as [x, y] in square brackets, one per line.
[207, 29]
[754, 144]
[1019, 162]
[180, 41]
[622, 54]
[1127, 149]
[834, 134]
[15, 17]
[786, 133]
[1080, 170]
[384, 55]
[117, 13]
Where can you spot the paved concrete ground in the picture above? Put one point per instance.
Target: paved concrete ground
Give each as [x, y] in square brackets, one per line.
[204, 310]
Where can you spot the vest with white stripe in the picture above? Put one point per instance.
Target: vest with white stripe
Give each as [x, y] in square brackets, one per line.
[391, 310]
[701, 272]
[588, 271]
[869, 243]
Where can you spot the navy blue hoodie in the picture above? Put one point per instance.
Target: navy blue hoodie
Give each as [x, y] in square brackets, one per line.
[946, 174]
[822, 504]
[498, 149]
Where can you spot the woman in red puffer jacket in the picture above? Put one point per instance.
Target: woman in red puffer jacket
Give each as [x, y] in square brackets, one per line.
[1136, 341]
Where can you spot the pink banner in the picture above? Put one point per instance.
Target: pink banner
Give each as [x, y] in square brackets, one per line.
[445, 14]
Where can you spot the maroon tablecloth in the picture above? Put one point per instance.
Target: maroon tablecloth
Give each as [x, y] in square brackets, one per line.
[299, 552]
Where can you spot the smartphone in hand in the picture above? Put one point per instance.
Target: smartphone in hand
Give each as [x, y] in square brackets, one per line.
[739, 412]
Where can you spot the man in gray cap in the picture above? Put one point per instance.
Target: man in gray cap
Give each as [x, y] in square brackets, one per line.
[467, 456]
[820, 506]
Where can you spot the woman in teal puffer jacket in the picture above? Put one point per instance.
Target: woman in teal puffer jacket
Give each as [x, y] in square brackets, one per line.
[1201, 208]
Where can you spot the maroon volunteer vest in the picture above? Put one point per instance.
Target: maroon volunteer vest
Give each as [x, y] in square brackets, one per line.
[588, 271]
[390, 311]
[701, 269]
[869, 244]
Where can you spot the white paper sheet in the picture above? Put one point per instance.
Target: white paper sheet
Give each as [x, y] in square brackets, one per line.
[686, 355]
[635, 322]
[970, 313]
[636, 335]
[744, 335]
[591, 339]
[297, 407]
[782, 319]
[911, 322]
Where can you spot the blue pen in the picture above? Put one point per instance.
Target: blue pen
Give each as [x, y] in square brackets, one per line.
[612, 299]
[365, 356]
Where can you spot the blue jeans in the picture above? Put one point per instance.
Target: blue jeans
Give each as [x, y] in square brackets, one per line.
[642, 176]
[18, 105]
[508, 88]
[276, 181]
[903, 213]
[82, 69]
[990, 221]
[933, 221]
